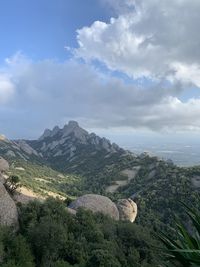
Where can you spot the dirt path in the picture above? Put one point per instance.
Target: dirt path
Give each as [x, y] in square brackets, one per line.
[129, 173]
[24, 195]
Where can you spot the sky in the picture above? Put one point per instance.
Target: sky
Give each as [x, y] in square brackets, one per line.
[120, 68]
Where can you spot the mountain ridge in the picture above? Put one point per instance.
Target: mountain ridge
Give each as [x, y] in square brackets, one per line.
[71, 146]
[73, 162]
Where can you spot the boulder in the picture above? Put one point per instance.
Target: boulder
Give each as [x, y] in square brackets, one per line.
[71, 211]
[2, 178]
[4, 166]
[8, 209]
[127, 210]
[96, 203]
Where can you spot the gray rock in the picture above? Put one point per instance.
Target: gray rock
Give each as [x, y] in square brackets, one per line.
[2, 179]
[8, 209]
[55, 130]
[79, 133]
[26, 148]
[71, 211]
[4, 166]
[47, 133]
[10, 153]
[96, 203]
[127, 210]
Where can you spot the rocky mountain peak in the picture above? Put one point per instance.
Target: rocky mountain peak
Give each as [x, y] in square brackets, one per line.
[46, 134]
[73, 124]
[55, 130]
[49, 133]
[73, 128]
[73, 144]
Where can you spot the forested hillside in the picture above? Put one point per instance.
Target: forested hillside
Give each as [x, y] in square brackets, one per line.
[51, 237]
[71, 162]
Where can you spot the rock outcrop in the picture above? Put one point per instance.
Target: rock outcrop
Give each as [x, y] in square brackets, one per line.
[127, 210]
[8, 209]
[60, 142]
[4, 166]
[96, 203]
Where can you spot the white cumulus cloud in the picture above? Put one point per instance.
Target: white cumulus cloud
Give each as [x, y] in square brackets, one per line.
[156, 39]
[7, 89]
[49, 92]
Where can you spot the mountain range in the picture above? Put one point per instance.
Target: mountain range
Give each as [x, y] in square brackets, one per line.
[68, 145]
[71, 162]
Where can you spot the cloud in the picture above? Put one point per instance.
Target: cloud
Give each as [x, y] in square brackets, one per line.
[119, 6]
[7, 89]
[49, 92]
[155, 39]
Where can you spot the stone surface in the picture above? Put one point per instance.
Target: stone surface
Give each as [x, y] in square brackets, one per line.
[96, 203]
[71, 211]
[26, 148]
[127, 210]
[4, 166]
[8, 209]
[2, 178]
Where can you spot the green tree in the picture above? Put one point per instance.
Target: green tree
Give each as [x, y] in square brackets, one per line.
[12, 183]
[102, 258]
[18, 252]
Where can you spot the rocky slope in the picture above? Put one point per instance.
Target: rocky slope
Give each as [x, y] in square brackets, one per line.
[73, 162]
[8, 209]
[17, 149]
[75, 150]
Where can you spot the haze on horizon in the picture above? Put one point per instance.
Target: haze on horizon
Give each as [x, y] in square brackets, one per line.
[128, 70]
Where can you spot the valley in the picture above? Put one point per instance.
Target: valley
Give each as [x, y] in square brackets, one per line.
[71, 162]
[69, 167]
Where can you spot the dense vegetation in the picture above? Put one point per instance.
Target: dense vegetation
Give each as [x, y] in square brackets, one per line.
[157, 188]
[184, 250]
[51, 237]
[42, 179]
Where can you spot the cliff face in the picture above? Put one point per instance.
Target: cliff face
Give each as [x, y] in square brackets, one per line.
[71, 144]
[8, 209]
[4, 166]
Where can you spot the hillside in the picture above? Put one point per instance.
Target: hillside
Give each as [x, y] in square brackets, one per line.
[70, 162]
[11, 149]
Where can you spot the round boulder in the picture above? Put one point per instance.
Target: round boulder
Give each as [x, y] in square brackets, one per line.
[127, 209]
[8, 209]
[96, 203]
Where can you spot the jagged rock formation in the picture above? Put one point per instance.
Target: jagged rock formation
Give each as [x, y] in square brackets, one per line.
[59, 142]
[8, 209]
[65, 149]
[127, 209]
[96, 203]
